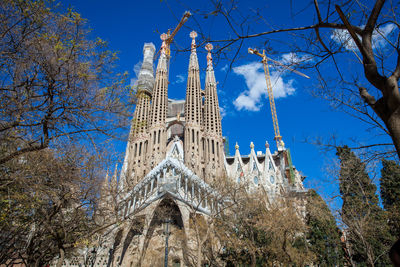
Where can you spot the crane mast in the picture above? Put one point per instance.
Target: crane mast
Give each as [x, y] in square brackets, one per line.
[169, 37]
[278, 137]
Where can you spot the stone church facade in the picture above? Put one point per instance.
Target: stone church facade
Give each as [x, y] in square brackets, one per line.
[174, 154]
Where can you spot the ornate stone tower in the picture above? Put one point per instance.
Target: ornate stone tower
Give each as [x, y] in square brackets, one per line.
[158, 112]
[193, 112]
[214, 153]
[174, 151]
[134, 164]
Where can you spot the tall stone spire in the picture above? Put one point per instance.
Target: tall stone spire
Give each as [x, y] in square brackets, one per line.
[212, 123]
[144, 89]
[138, 136]
[159, 107]
[193, 112]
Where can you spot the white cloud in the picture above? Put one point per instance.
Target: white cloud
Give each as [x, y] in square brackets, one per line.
[136, 70]
[224, 68]
[222, 111]
[378, 37]
[253, 74]
[179, 78]
[133, 82]
[294, 59]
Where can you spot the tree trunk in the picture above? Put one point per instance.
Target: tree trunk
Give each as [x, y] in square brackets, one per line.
[199, 245]
[253, 260]
[393, 125]
[199, 258]
[61, 258]
[370, 262]
[387, 108]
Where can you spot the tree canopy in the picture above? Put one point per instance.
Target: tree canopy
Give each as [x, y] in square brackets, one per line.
[59, 98]
[365, 222]
[352, 47]
[56, 83]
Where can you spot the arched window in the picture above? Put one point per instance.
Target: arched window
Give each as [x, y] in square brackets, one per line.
[272, 179]
[255, 180]
[254, 165]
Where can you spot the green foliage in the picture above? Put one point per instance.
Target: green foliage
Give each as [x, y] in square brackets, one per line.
[357, 190]
[323, 234]
[255, 233]
[390, 193]
[58, 88]
[52, 78]
[45, 204]
[366, 227]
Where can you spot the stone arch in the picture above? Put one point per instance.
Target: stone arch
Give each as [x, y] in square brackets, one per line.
[117, 241]
[167, 208]
[136, 229]
[175, 128]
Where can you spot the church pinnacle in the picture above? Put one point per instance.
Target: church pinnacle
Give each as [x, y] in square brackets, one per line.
[158, 113]
[138, 137]
[193, 111]
[212, 121]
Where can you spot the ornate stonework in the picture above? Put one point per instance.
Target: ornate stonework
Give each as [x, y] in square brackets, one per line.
[174, 152]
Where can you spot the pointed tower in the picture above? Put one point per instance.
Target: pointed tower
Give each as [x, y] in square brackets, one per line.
[158, 113]
[193, 112]
[134, 163]
[214, 152]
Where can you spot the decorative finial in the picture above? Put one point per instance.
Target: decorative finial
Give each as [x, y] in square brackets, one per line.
[251, 145]
[163, 37]
[193, 35]
[236, 146]
[266, 144]
[209, 47]
[107, 177]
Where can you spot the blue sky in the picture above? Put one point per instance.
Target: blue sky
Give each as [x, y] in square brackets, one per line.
[127, 25]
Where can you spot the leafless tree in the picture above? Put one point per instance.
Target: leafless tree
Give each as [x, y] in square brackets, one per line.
[359, 40]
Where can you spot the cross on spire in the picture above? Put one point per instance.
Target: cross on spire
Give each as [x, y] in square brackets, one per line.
[163, 37]
[209, 47]
[193, 35]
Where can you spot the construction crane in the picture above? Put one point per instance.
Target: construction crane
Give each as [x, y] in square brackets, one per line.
[169, 37]
[278, 138]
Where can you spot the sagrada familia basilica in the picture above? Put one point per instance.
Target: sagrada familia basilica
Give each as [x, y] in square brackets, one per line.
[175, 153]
